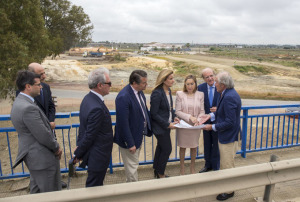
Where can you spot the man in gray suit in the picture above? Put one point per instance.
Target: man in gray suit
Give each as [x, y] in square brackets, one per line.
[37, 145]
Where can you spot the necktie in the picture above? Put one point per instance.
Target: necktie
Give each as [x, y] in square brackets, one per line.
[42, 96]
[145, 111]
[211, 96]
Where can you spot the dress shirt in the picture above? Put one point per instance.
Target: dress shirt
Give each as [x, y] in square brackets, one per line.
[137, 97]
[99, 95]
[212, 115]
[31, 98]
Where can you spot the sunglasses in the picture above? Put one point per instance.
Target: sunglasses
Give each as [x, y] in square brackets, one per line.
[108, 83]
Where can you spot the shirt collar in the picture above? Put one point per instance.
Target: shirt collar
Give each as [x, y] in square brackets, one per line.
[135, 91]
[31, 98]
[100, 96]
[208, 86]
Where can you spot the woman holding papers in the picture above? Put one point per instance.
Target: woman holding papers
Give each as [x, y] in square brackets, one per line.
[189, 107]
[162, 117]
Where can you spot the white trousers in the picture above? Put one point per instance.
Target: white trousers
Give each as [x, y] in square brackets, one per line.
[131, 163]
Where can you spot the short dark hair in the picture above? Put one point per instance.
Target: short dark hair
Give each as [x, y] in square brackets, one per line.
[25, 77]
[136, 75]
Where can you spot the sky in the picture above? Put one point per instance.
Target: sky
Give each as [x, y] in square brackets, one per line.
[195, 21]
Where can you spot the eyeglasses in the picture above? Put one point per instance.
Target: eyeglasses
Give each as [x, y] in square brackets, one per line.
[108, 83]
[210, 76]
[37, 84]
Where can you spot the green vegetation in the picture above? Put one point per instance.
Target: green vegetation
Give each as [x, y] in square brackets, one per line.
[251, 69]
[33, 29]
[119, 58]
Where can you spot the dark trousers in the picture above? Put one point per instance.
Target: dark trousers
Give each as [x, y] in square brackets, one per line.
[211, 150]
[162, 152]
[95, 178]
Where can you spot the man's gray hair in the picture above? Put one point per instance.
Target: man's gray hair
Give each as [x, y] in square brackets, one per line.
[97, 76]
[226, 79]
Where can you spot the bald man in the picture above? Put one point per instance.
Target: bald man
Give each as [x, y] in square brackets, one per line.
[44, 100]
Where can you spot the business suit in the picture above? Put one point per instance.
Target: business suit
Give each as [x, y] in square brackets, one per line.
[45, 103]
[160, 113]
[210, 138]
[228, 126]
[95, 139]
[37, 145]
[129, 129]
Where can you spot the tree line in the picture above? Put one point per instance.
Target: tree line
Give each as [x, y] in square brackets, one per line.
[31, 30]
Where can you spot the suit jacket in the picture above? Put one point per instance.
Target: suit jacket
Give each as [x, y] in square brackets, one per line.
[160, 111]
[129, 119]
[95, 139]
[182, 106]
[48, 106]
[203, 88]
[228, 116]
[37, 144]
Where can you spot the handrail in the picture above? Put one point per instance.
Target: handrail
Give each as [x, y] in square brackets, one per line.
[259, 132]
[180, 187]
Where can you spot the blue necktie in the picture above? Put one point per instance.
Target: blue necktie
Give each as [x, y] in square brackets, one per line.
[211, 96]
[145, 111]
[42, 97]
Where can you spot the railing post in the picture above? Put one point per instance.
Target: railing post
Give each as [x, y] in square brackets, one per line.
[111, 166]
[269, 189]
[244, 132]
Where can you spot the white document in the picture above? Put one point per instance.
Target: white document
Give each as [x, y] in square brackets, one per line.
[183, 124]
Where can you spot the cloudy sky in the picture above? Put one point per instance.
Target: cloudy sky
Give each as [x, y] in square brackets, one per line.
[195, 21]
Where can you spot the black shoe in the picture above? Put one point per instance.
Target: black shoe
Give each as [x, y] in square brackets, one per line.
[224, 196]
[63, 184]
[156, 174]
[205, 169]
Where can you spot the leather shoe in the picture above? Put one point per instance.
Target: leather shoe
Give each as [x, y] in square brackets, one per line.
[224, 196]
[205, 169]
[63, 184]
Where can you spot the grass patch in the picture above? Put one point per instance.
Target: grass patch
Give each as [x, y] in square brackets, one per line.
[251, 69]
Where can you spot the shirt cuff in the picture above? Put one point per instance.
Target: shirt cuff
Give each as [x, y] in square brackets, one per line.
[212, 116]
[214, 127]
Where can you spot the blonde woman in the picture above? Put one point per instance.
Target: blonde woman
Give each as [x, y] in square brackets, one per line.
[162, 117]
[189, 107]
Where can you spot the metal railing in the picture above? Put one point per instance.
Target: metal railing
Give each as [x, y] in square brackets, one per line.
[180, 188]
[259, 132]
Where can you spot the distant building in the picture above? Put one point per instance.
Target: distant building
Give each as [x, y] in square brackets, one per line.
[159, 46]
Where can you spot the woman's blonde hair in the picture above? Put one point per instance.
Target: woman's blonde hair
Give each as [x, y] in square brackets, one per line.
[162, 76]
[190, 77]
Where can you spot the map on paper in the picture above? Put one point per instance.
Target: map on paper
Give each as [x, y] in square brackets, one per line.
[183, 124]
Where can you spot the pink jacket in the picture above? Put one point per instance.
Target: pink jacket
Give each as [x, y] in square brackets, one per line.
[182, 107]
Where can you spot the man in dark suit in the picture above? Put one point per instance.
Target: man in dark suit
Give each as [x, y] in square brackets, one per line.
[227, 123]
[95, 139]
[44, 99]
[132, 122]
[38, 147]
[210, 138]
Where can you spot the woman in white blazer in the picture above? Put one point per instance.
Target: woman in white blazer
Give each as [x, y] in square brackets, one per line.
[189, 107]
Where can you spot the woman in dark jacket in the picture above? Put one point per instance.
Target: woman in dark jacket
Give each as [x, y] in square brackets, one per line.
[162, 120]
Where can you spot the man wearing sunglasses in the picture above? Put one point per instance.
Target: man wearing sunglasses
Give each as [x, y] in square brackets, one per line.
[95, 139]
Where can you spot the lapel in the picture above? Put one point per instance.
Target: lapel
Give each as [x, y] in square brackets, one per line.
[221, 98]
[133, 97]
[94, 96]
[38, 99]
[165, 98]
[35, 105]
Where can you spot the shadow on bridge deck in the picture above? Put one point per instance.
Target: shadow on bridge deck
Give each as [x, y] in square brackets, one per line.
[288, 191]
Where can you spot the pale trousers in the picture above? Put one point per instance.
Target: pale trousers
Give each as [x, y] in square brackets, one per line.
[131, 163]
[227, 154]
